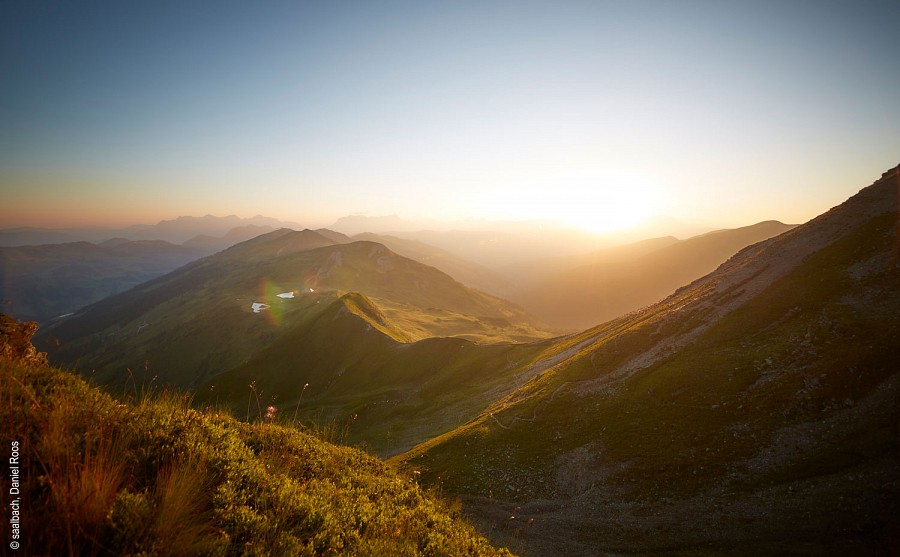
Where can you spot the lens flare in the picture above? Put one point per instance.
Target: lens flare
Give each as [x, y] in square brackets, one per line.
[267, 293]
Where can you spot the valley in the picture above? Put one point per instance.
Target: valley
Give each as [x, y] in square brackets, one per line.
[42, 282]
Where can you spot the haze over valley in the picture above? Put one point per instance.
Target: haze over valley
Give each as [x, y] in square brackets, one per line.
[450, 279]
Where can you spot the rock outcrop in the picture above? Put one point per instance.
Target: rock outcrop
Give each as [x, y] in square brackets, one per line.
[15, 342]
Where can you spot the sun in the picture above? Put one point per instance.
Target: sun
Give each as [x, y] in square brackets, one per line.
[608, 202]
[599, 201]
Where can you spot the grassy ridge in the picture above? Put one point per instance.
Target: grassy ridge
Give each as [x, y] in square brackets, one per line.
[401, 393]
[156, 477]
[196, 322]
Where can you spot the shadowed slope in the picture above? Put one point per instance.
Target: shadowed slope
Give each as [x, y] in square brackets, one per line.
[42, 282]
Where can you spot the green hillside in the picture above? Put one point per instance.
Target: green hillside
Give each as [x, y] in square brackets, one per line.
[200, 320]
[397, 394]
[153, 476]
[755, 411]
[366, 329]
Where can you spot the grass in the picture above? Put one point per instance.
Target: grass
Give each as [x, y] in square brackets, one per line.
[402, 393]
[153, 476]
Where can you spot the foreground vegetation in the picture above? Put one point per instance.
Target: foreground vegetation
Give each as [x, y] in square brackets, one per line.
[152, 476]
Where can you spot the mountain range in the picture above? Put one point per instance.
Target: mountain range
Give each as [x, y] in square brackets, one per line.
[69, 278]
[753, 410]
[467, 272]
[290, 308]
[442, 232]
[39, 282]
[175, 231]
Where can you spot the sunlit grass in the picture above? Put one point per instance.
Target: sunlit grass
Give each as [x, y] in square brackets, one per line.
[153, 476]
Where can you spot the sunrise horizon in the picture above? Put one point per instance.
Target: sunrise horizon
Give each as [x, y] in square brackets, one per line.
[656, 222]
[625, 212]
[598, 116]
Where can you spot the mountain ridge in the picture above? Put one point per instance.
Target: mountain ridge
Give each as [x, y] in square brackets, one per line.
[176, 231]
[287, 277]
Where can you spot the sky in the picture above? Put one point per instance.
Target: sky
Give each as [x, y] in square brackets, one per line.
[596, 114]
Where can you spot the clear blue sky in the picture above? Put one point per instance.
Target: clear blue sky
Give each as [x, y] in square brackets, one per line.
[598, 113]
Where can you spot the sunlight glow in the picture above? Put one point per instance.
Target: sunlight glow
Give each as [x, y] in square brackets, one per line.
[596, 200]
